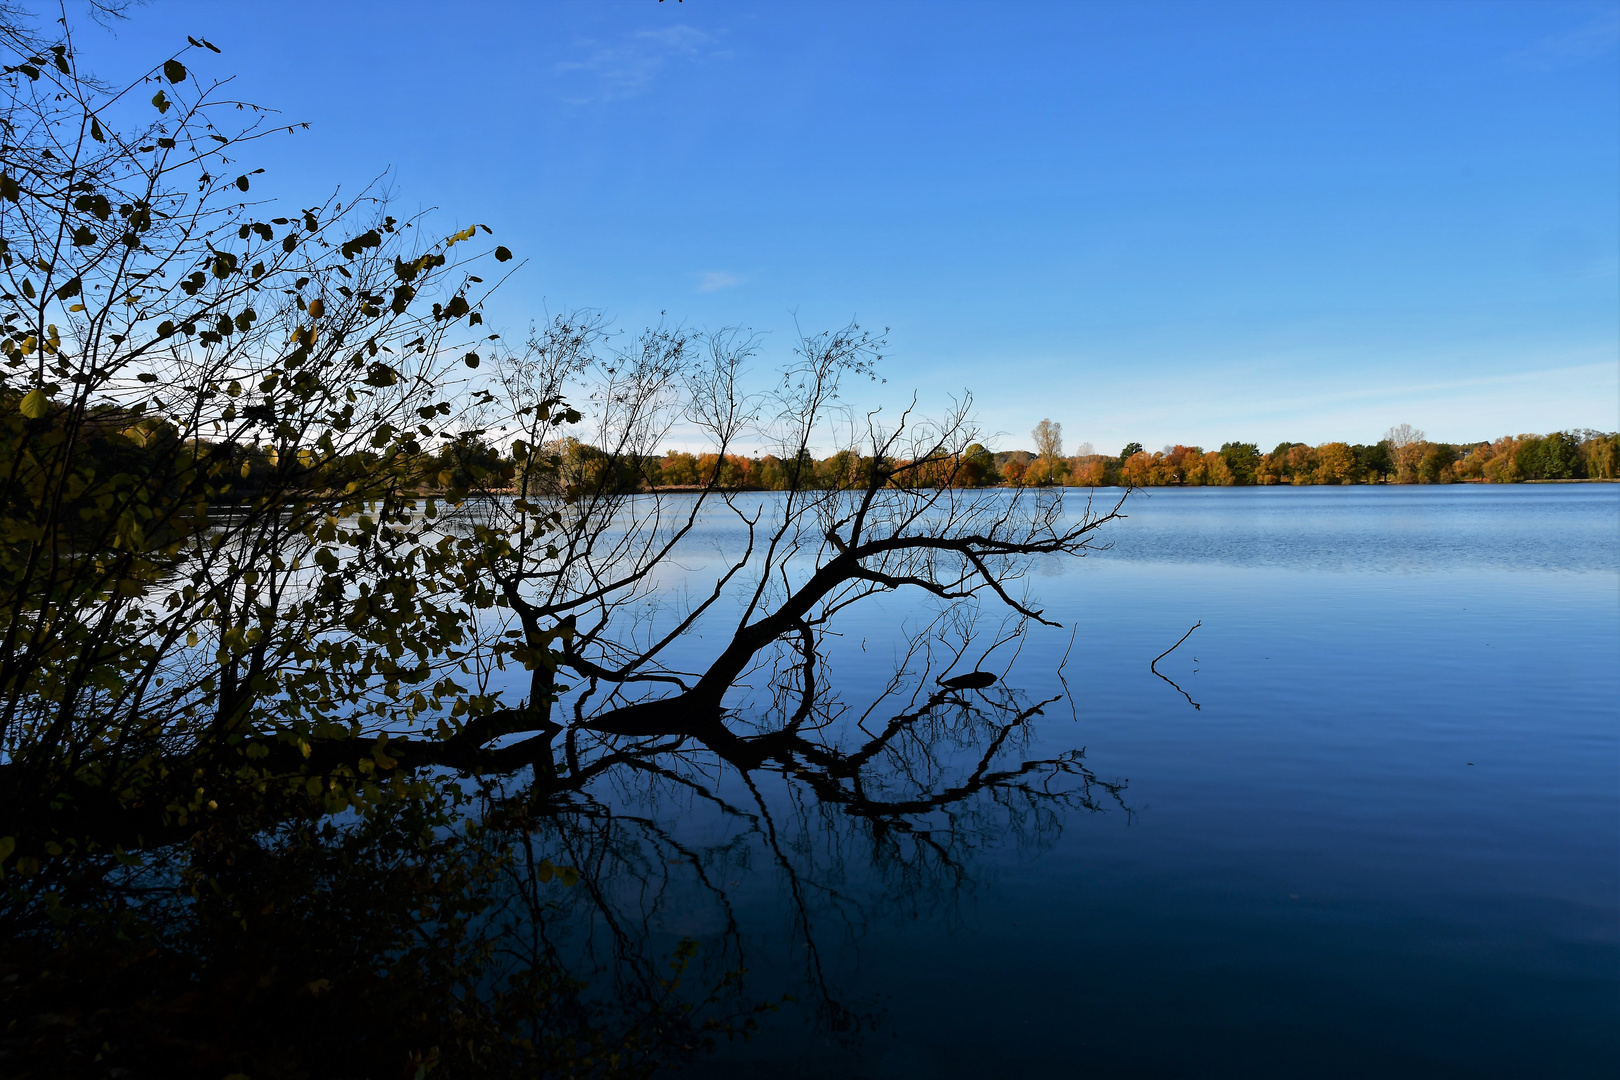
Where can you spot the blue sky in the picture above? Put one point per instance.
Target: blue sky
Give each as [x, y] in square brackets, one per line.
[1152, 222]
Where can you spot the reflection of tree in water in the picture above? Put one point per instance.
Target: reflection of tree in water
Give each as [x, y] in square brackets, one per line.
[850, 819]
[258, 567]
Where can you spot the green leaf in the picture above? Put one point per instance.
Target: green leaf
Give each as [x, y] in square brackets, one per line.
[160, 102]
[33, 404]
[502, 254]
[242, 182]
[71, 289]
[9, 188]
[174, 70]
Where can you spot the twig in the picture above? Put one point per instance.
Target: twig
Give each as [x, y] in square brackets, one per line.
[1153, 667]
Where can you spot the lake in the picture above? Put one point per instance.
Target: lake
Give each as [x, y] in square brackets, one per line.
[1367, 822]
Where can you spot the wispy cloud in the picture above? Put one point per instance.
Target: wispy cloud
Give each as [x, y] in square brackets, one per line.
[1597, 37]
[715, 280]
[613, 72]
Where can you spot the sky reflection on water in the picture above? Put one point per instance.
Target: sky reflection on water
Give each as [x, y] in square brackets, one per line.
[1387, 843]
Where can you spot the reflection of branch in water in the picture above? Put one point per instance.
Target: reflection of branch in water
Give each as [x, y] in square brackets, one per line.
[855, 813]
[1154, 666]
[1073, 713]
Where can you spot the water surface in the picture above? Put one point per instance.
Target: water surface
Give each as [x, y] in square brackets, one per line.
[1372, 829]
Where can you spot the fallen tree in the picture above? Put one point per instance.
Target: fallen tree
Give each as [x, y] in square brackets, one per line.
[241, 594]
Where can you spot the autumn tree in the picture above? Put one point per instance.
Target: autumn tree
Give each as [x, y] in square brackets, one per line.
[1335, 463]
[145, 308]
[228, 433]
[161, 652]
[278, 508]
[1601, 451]
[1048, 436]
[1405, 450]
[1179, 461]
[1138, 470]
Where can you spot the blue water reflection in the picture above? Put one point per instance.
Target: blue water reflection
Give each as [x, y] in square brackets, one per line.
[1387, 844]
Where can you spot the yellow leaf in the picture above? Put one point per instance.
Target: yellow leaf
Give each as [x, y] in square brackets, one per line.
[33, 403]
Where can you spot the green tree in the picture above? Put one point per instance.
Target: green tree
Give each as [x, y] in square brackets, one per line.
[1437, 459]
[1242, 459]
[1551, 457]
[978, 466]
[1373, 462]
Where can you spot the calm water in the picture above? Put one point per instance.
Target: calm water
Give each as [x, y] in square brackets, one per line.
[1386, 841]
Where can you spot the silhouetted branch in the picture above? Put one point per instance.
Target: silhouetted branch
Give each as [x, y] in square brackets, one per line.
[1154, 666]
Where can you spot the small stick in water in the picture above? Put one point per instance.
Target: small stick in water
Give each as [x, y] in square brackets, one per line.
[1154, 666]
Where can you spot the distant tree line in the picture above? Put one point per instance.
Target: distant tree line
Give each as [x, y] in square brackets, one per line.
[473, 462]
[1404, 456]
